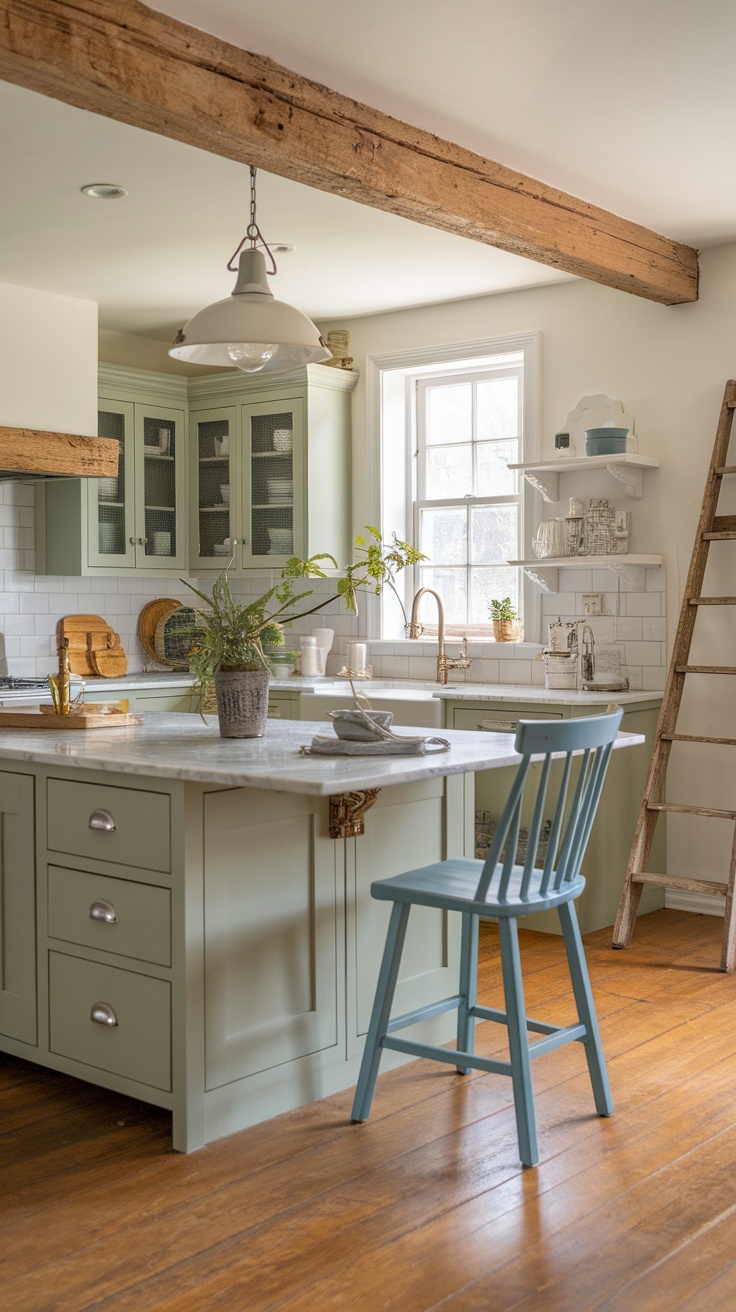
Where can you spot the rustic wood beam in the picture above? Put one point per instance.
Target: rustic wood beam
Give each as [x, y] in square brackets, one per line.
[123, 60]
[66, 455]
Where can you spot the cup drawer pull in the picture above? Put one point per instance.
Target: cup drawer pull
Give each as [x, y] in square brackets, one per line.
[102, 820]
[500, 726]
[101, 1014]
[105, 911]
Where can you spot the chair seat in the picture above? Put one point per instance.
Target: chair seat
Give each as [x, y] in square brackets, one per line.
[452, 884]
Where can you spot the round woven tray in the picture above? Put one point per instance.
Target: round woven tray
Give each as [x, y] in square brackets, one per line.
[149, 618]
[170, 644]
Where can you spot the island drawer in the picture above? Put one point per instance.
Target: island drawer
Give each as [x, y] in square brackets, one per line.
[131, 1034]
[126, 825]
[114, 915]
[493, 721]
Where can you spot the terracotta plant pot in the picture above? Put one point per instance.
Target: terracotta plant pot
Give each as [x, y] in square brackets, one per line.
[242, 702]
[504, 630]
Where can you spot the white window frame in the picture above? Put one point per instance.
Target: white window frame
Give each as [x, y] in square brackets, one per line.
[390, 490]
[421, 383]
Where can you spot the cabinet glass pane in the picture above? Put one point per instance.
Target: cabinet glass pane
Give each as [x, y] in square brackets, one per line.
[272, 484]
[159, 466]
[111, 491]
[213, 465]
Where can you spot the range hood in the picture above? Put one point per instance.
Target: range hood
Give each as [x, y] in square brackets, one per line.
[28, 454]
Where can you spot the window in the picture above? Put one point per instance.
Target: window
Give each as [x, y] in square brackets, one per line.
[467, 518]
[451, 419]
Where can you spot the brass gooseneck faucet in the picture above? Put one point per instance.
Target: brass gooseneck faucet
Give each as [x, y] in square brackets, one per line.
[444, 662]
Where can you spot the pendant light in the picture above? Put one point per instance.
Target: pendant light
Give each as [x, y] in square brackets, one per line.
[250, 329]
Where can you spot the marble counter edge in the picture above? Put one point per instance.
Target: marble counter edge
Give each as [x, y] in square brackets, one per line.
[156, 748]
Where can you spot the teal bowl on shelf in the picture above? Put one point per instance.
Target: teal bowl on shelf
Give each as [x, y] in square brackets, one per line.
[605, 441]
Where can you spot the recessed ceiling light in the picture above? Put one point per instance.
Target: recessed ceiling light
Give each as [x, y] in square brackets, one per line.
[280, 247]
[104, 190]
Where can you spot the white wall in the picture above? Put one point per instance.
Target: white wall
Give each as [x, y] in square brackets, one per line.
[48, 361]
[668, 366]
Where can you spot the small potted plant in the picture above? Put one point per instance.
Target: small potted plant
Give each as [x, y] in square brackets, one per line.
[229, 636]
[505, 620]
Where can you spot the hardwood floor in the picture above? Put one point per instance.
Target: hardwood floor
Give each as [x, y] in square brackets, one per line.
[425, 1206]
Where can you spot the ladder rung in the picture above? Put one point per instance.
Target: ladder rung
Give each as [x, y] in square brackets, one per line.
[696, 738]
[684, 807]
[728, 536]
[725, 469]
[682, 881]
[713, 601]
[705, 669]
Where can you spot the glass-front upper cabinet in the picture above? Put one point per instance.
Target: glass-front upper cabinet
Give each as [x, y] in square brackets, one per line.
[136, 520]
[272, 463]
[269, 468]
[213, 539]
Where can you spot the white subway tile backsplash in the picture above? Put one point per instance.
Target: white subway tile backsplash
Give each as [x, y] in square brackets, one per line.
[653, 677]
[395, 667]
[654, 629]
[629, 628]
[642, 653]
[518, 672]
[642, 603]
[34, 603]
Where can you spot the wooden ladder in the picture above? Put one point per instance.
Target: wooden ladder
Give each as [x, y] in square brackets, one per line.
[711, 528]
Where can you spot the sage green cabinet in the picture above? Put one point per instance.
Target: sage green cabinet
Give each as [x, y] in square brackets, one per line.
[269, 468]
[17, 908]
[135, 522]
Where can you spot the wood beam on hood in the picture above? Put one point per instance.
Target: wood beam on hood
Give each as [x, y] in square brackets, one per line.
[123, 60]
[63, 455]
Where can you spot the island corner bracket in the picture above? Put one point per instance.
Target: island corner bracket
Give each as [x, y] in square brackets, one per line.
[347, 812]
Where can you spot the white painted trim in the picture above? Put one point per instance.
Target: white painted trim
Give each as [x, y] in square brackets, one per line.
[120, 378]
[468, 352]
[234, 382]
[701, 904]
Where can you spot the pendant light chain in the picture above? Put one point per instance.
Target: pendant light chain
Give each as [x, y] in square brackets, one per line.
[253, 233]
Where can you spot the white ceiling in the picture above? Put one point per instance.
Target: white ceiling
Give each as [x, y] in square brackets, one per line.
[628, 105]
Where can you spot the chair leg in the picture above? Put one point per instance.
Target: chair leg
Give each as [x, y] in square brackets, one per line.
[521, 1069]
[381, 1014]
[586, 1008]
[468, 988]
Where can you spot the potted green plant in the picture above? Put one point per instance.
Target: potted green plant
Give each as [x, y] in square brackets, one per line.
[229, 637]
[504, 619]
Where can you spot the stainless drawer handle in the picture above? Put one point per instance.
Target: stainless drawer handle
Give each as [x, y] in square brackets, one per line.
[500, 726]
[102, 820]
[103, 911]
[101, 1014]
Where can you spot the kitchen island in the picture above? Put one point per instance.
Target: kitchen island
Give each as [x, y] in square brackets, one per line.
[195, 926]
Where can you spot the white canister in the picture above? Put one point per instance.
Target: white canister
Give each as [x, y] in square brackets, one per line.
[323, 638]
[357, 658]
[283, 440]
[310, 656]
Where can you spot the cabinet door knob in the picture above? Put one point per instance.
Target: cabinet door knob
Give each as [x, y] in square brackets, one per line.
[101, 1014]
[102, 820]
[103, 911]
[131, 541]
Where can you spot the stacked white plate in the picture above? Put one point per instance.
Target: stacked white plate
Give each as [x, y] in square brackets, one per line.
[280, 491]
[280, 541]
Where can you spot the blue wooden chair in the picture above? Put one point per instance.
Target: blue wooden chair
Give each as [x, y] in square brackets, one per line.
[504, 889]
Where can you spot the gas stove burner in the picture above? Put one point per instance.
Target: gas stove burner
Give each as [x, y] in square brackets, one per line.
[13, 681]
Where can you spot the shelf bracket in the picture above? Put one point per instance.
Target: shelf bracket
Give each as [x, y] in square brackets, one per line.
[545, 578]
[634, 575]
[347, 812]
[546, 483]
[630, 476]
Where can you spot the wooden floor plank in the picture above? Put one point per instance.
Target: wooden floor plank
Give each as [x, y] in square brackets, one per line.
[426, 1204]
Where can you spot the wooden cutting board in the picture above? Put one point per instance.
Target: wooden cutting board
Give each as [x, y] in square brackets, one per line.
[88, 633]
[40, 720]
[108, 662]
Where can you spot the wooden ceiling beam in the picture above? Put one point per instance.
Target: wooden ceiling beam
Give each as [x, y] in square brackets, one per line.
[63, 455]
[123, 60]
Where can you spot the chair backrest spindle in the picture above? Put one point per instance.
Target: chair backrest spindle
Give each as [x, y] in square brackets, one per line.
[589, 740]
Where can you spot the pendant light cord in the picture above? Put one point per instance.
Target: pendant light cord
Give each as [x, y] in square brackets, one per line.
[253, 233]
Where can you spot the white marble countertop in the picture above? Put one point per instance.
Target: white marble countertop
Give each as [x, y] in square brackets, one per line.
[410, 689]
[172, 746]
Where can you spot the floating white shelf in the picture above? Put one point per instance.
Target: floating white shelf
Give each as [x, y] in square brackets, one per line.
[627, 468]
[545, 571]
